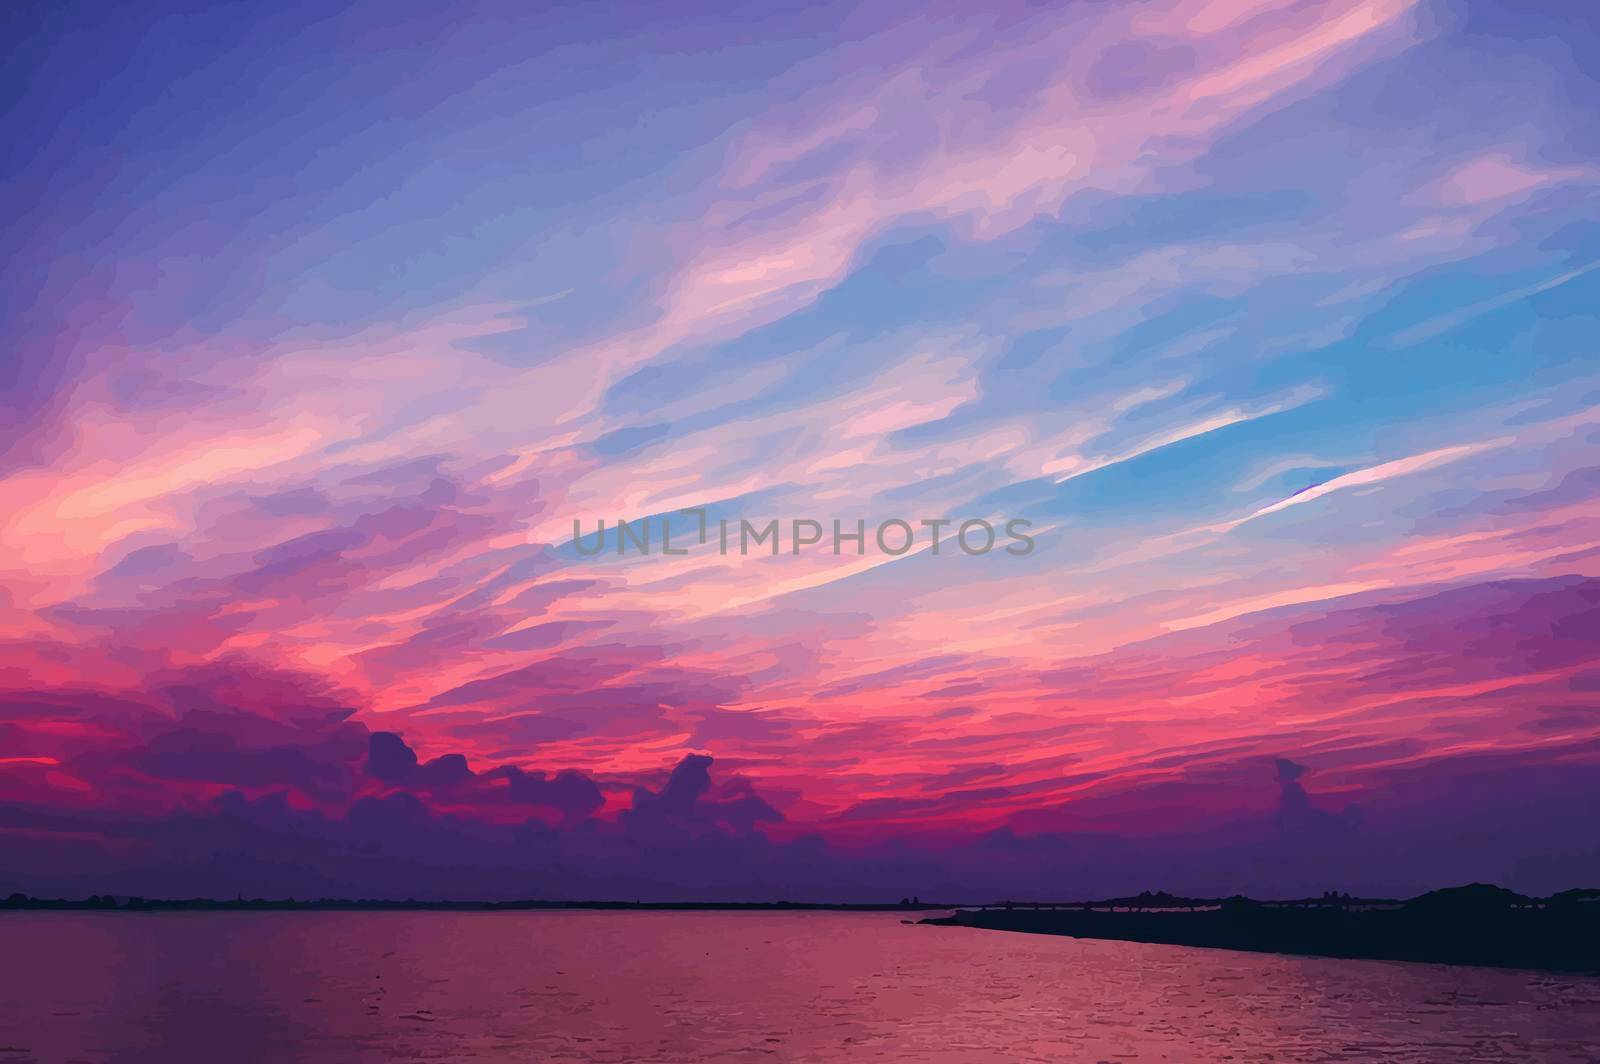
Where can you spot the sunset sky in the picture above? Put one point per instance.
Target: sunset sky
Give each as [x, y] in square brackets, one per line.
[322, 324]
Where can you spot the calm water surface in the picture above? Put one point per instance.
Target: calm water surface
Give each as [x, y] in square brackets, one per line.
[660, 986]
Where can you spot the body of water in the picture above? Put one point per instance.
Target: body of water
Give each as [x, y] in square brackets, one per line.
[638, 987]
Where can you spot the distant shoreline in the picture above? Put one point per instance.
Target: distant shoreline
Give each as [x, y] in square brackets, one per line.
[113, 903]
[1474, 925]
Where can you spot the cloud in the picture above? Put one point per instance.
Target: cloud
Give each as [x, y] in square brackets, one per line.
[687, 807]
[1296, 815]
[1373, 475]
[389, 758]
[289, 466]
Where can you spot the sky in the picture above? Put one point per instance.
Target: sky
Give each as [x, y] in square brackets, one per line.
[325, 329]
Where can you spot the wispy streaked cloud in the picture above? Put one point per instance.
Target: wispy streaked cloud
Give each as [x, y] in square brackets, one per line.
[1275, 320]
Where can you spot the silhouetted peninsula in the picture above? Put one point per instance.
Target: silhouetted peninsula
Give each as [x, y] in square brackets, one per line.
[1476, 924]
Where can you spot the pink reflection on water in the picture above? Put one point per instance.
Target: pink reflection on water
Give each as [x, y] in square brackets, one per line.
[659, 986]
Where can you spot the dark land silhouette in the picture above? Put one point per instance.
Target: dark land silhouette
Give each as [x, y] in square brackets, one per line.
[125, 903]
[1475, 924]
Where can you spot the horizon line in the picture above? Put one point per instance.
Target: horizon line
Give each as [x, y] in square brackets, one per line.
[136, 902]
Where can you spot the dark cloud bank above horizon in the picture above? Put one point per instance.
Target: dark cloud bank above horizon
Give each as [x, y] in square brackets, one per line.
[232, 779]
